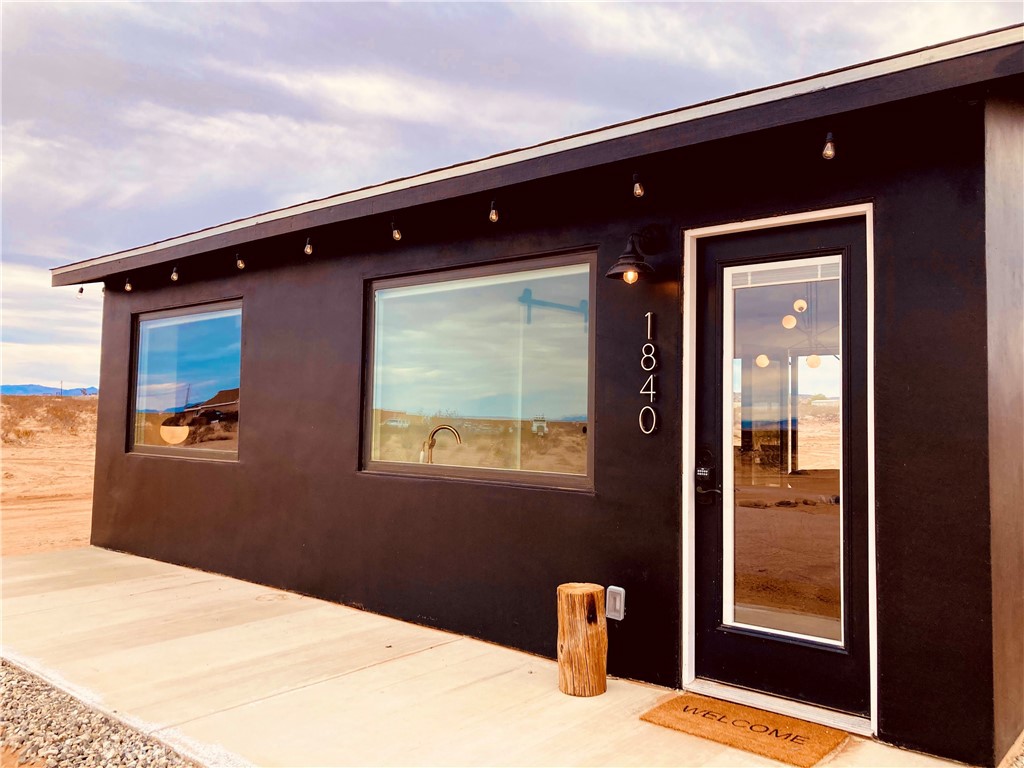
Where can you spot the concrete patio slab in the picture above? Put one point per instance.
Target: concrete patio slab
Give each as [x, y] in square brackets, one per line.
[217, 666]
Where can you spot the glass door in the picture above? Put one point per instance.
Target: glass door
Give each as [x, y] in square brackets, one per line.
[781, 464]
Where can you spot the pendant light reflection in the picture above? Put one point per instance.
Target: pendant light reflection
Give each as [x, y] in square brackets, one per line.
[829, 151]
[813, 361]
[800, 305]
[762, 361]
[396, 233]
[789, 322]
[308, 250]
[493, 215]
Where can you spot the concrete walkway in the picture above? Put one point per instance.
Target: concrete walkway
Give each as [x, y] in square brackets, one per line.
[232, 673]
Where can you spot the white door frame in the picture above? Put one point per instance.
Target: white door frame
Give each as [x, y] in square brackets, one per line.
[690, 682]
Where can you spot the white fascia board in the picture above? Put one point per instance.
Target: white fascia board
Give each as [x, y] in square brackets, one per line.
[899, 63]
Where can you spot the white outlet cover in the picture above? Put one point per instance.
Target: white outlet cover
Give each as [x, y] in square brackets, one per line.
[615, 603]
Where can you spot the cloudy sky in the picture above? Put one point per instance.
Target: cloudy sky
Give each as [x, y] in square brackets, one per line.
[126, 123]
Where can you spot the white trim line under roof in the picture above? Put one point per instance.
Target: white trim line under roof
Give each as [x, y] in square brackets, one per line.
[898, 63]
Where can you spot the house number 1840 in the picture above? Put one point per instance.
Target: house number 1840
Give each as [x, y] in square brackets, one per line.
[648, 362]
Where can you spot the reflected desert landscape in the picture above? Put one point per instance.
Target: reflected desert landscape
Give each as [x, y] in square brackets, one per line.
[787, 526]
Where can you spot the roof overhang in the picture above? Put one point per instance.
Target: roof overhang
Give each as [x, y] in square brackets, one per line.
[955, 64]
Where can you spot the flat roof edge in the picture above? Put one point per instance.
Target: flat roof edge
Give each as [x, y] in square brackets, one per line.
[988, 41]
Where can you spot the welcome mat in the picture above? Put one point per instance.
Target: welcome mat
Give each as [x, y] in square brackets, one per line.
[787, 739]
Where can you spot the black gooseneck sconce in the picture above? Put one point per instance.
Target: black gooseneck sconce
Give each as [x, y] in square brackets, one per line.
[631, 263]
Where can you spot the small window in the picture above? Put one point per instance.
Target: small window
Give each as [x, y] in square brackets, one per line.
[486, 373]
[187, 381]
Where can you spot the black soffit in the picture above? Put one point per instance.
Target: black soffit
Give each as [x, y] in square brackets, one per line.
[968, 61]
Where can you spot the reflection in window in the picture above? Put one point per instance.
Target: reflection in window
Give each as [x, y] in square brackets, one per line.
[502, 359]
[187, 381]
[783, 427]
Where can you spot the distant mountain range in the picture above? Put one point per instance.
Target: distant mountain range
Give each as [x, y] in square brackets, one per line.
[39, 389]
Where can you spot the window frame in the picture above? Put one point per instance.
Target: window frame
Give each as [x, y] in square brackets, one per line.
[517, 477]
[177, 452]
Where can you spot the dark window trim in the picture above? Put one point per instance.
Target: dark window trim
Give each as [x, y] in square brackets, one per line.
[519, 477]
[205, 454]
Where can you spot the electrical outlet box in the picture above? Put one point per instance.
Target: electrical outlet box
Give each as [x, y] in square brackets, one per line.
[615, 603]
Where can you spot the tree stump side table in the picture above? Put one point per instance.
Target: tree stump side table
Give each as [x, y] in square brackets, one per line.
[582, 640]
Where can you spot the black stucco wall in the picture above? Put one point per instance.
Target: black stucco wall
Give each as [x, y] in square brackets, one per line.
[484, 559]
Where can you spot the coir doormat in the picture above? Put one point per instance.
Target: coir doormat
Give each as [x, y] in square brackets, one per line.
[787, 739]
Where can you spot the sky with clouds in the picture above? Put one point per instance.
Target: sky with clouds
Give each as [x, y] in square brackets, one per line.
[127, 123]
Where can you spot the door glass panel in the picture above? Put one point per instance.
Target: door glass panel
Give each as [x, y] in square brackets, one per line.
[782, 455]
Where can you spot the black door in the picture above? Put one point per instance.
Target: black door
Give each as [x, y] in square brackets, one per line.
[781, 452]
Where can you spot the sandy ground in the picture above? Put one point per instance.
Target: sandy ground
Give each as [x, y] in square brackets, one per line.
[47, 464]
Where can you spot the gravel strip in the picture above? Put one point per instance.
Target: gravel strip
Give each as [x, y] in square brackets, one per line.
[59, 731]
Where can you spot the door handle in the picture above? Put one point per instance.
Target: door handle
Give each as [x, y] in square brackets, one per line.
[712, 490]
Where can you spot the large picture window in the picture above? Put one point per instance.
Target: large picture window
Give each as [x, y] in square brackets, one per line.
[187, 381]
[486, 371]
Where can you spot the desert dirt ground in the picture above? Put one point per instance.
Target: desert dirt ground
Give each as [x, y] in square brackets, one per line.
[46, 460]
[48, 449]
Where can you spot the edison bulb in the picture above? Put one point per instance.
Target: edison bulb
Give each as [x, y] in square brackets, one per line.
[308, 250]
[631, 276]
[813, 361]
[762, 361]
[830, 148]
[638, 189]
[128, 286]
[240, 263]
[800, 305]
[174, 274]
[789, 322]
[493, 215]
[396, 233]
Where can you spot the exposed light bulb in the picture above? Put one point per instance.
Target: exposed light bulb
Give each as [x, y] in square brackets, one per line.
[762, 361]
[396, 233]
[638, 187]
[308, 250]
[631, 276]
[128, 286]
[174, 274]
[830, 147]
[493, 215]
[239, 262]
[789, 322]
[813, 361]
[800, 305]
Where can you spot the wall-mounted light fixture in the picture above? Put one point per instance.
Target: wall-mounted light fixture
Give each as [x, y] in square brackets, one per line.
[308, 250]
[396, 233]
[638, 187]
[239, 262]
[128, 285]
[631, 263]
[829, 150]
[493, 215]
[174, 275]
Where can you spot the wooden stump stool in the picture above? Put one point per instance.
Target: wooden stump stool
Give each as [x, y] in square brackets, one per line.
[582, 640]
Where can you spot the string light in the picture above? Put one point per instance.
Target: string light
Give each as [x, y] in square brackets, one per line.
[638, 187]
[493, 215]
[829, 150]
[128, 286]
[239, 262]
[174, 274]
[308, 250]
[396, 233]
